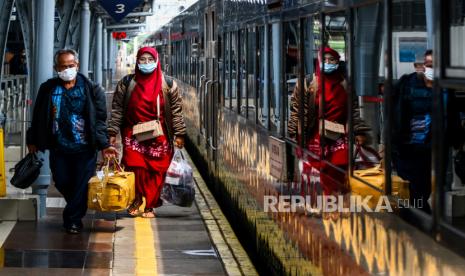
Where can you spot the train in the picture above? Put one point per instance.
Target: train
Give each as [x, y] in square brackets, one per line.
[237, 63]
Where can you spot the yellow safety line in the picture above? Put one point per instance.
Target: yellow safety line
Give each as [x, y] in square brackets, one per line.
[2, 257]
[235, 259]
[146, 261]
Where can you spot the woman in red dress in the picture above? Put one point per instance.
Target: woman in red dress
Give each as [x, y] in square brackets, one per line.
[142, 97]
[336, 104]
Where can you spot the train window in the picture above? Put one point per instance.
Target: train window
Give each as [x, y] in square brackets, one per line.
[234, 71]
[291, 74]
[251, 72]
[178, 59]
[181, 60]
[367, 102]
[295, 122]
[275, 75]
[186, 61]
[457, 38]
[333, 102]
[263, 77]
[227, 70]
[243, 72]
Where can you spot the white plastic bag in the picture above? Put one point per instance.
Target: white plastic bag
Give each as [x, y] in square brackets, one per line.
[179, 182]
[366, 157]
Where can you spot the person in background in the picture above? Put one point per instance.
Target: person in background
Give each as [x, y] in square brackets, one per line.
[136, 100]
[335, 110]
[69, 120]
[412, 123]
[18, 65]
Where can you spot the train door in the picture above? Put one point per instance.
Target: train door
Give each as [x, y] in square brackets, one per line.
[210, 111]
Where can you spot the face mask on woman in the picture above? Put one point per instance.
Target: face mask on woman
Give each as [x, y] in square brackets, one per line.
[330, 67]
[147, 68]
[429, 73]
[68, 74]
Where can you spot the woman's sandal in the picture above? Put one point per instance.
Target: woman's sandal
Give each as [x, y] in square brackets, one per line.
[133, 209]
[148, 213]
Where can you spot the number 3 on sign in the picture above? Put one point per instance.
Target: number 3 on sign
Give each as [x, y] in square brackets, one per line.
[120, 8]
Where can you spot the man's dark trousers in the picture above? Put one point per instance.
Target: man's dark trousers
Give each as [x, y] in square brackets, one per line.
[415, 166]
[71, 173]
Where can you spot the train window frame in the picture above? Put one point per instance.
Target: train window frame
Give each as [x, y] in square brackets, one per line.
[242, 97]
[262, 80]
[227, 71]
[453, 71]
[234, 68]
[275, 86]
[252, 66]
[288, 94]
[451, 79]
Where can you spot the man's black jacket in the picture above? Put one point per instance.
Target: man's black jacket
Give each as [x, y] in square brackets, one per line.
[40, 133]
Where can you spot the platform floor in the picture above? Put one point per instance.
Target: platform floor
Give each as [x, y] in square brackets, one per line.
[176, 242]
[179, 241]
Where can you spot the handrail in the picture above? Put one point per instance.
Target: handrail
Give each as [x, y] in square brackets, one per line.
[14, 108]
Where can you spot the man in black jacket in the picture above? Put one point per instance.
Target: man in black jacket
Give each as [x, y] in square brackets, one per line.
[69, 120]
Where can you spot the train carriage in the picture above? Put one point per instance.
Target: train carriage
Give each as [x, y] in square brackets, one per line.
[238, 62]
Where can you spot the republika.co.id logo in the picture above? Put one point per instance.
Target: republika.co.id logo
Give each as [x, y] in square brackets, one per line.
[333, 203]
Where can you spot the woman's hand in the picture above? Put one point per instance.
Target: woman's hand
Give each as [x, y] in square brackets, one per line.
[113, 140]
[360, 140]
[179, 142]
[110, 153]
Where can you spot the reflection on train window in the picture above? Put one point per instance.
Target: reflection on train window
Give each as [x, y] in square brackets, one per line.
[331, 100]
[243, 72]
[234, 69]
[275, 74]
[291, 63]
[262, 78]
[251, 72]
[309, 46]
[367, 99]
[227, 68]
[178, 60]
[186, 60]
[457, 33]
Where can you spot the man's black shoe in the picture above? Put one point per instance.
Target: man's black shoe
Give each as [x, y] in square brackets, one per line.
[74, 229]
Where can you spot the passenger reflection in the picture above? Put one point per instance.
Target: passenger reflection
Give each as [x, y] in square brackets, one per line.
[335, 146]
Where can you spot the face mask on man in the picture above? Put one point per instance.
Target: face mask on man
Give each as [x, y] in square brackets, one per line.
[330, 67]
[429, 73]
[68, 74]
[147, 68]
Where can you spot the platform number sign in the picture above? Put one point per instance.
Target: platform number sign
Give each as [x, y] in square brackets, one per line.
[118, 9]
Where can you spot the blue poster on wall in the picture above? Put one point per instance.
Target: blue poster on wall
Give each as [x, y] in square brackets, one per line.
[118, 9]
[411, 49]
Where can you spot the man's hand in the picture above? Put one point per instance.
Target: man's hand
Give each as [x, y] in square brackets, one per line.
[179, 142]
[110, 153]
[32, 148]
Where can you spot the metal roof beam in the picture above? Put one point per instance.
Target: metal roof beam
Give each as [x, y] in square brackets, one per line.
[132, 14]
[121, 26]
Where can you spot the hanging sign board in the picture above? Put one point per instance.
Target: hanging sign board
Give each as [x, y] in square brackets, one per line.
[119, 35]
[118, 9]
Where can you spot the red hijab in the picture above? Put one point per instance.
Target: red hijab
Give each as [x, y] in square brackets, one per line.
[335, 95]
[143, 103]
